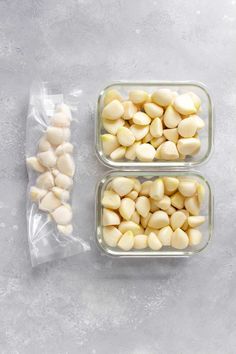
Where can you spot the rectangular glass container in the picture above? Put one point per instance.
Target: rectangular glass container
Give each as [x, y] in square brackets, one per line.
[205, 134]
[206, 210]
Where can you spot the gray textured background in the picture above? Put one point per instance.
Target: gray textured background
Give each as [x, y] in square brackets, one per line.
[88, 303]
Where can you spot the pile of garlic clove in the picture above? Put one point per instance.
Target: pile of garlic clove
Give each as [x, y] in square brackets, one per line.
[56, 166]
[152, 214]
[144, 127]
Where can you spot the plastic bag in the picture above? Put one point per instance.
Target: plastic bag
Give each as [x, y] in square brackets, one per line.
[46, 243]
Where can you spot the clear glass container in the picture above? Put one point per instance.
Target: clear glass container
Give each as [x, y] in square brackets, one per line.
[205, 134]
[206, 210]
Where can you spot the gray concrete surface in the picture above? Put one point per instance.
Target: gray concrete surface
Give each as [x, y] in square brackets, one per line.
[89, 303]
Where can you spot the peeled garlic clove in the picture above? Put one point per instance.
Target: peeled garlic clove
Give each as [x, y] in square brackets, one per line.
[61, 194]
[137, 184]
[187, 188]
[196, 99]
[57, 136]
[185, 225]
[147, 138]
[112, 126]
[171, 184]
[164, 203]
[169, 151]
[145, 220]
[171, 210]
[141, 118]
[63, 181]
[145, 152]
[113, 110]
[157, 189]
[143, 206]
[195, 237]
[49, 202]
[179, 239]
[195, 221]
[129, 110]
[33, 163]
[109, 143]
[65, 229]
[145, 188]
[162, 97]
[158, 220]
[111, 95]
[64, 148]
[158, 152]
[188, 146]
[62, 215]
[184, 104]
[37, 193]
[187, 128]
[110, 217]
[156, 128]
[126, 241]
[138, 96]
[122, 185]
[64, 108]
[153, 242]
[153, 205]
[110, 200]
[127, 208]
[118, 153]
[165, 235]
[177, 200]
[44, 145]
[111, 235]
[135, 217]
[171, 117]
[177, 220]
[192, 205]
[125, 136]
[45, 181]
[140, 242]
[171, 134]
[199, 121]
[153, 110]
[200, 193]
[130, 226]
[131, 151]
[47, 158]
[156, 142]
[132, 195]
[61, 120]
[66, 165]
[139, 131]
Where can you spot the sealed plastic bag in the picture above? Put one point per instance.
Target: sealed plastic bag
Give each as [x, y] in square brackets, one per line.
[52, 126]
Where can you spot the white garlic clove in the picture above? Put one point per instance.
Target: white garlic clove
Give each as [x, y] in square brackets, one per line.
[112, 126]
[135, 217]
[57, 136]
[130, 226]
[141, 118]
[47, 158]
[153, 110]
[65, 229]
[126, 241]
[171, 184]
[200, 193]
[195, 237]
[66, 165]
[156, 142]
[188, 146]
[125, 137]
[171, 210]
[187, 128]
[164, 203]
[145, 152]
[157, 189]
[156, 128]
[142, 206]
[165, 235]
[153, 242]
[199, 121]
[118, 153]
[61, 120]
[63, 181]
[113, 110]
[45, 180]
[64, 148]
[140, 242]
[62, 215]
[129, 110]
[139, 131]
[64, 108]
[34, 163]
[110, 200]
[145, 188]
[61, 194]
[109, 143]
[171, 117]
[49, 202]
[130, 153]
[171, 134]
[127, 208]
[177, 220]
[44, 144]
[177, 200]
[138, 96]
[187, 188]
[122, 185]
[196, 99]
[162, 97]
[183, 104]
[169, 151]
[132, 195]
[111, 95]
[36, 194]
[192, 205]
[145, 220]
[110, 217]
[158, 220]
[111, 235]
[195, 221]
[179, 239]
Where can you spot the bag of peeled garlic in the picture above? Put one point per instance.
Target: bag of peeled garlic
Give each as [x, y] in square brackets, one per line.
[50, 159]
